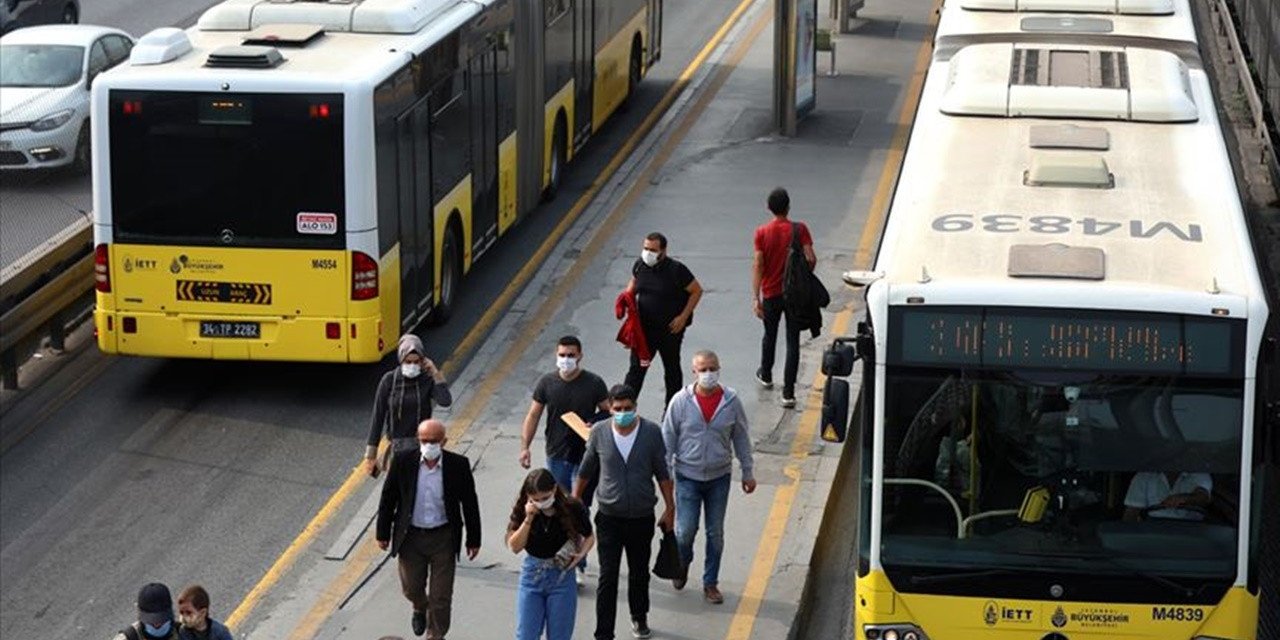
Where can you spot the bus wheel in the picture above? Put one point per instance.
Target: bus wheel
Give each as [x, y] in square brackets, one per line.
[82, 161]
[557, 162]
[450, 275]
[633, 75]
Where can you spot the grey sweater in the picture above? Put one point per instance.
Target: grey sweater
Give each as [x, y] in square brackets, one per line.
[625, 488]
[703, 451]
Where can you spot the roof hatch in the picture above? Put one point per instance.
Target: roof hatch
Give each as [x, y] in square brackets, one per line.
[284, 35]
[1066, 169]
[357, 16]
[1049, 81]
[1122, 7]
[1057, 261]
[244, 57]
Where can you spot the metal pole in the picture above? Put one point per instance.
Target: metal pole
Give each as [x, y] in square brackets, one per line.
[784, 64]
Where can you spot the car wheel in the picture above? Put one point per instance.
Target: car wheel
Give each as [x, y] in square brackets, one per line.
[82, 161]
[70, 15]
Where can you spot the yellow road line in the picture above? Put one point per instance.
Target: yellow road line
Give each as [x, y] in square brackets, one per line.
[753, 593]
[366, 553]
[477, 399]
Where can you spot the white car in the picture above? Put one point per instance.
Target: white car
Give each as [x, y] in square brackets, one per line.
[45, 74]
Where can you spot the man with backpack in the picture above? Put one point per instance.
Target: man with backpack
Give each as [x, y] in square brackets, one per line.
[775, 242]
[155, 616]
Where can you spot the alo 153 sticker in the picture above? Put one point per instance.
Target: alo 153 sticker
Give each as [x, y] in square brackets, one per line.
[318, 223]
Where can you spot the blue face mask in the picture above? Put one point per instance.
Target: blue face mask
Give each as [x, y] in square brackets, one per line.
[162, 630]
[624, 418]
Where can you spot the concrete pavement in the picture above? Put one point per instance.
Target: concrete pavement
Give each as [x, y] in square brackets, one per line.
[702, 180]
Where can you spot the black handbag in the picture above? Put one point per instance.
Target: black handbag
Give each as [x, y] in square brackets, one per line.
[668, 565]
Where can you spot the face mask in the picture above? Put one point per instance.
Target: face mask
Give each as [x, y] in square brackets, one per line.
[566, 364]
[410, 370]
[708, 379]
[431, 450]
[624, 418]
[545, 505]
[160, 631]
[650, 258]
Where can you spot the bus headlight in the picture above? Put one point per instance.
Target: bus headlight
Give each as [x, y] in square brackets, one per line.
[901, 631]
[53, 120]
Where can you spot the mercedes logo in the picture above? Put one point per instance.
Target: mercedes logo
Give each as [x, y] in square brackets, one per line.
[227, 236]
[1056, 591]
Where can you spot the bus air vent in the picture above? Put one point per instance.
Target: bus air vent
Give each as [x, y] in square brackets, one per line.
[1122, 7]
[284, 35]
[1069, 68]
[1065, 169]
[1067, 24]
[1070, 136]
[244, 57]
[1056, 261]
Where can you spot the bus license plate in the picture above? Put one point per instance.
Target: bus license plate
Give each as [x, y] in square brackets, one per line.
[219, 329]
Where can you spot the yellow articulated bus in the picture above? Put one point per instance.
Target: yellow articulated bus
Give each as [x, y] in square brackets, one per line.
[1067, 353]
[305, 180]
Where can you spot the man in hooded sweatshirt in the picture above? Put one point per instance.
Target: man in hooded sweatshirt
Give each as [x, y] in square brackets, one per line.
[403, 401]
[155, 616]
[704, 428]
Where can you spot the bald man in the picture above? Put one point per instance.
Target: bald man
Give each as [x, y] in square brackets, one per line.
[428, 496]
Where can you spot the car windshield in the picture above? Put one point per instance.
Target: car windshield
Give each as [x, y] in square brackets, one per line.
[1074, 471]
[40, 65]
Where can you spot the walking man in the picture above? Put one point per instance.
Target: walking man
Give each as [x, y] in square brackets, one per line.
[772, 241]
[704, 428]
[428, 497]
[155, 616]
[625, 455]
[666, 294]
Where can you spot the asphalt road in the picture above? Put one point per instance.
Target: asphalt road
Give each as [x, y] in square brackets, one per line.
[134, 470]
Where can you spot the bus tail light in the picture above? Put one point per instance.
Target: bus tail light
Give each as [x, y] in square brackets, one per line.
[332, 330]
[101, 269]
[364, 276]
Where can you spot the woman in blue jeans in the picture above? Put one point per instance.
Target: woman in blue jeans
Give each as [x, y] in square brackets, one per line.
[555, 532]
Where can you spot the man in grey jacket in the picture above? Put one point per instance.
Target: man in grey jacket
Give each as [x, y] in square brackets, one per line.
[705, 426]
[625, 455]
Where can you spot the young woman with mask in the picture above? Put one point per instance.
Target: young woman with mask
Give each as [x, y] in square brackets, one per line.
[193, 611]
[555, 532]
[404, 399]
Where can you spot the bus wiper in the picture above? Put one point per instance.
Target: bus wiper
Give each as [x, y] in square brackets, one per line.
[1127, 570]
[965, 575]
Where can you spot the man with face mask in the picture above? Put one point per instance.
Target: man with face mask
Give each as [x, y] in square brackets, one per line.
[155, 616]
[704, 428]
[625, 455]
[404, 399]
[666, 294]
[428, 497]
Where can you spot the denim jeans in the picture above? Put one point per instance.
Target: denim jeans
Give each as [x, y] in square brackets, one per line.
[692, 496]
[546, 600]
[566, 473]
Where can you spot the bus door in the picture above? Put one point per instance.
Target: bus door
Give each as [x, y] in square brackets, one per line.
[413, 176]
[655, 32]
[484, 156]
[584, 57]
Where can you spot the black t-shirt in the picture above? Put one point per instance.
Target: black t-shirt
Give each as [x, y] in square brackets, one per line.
[547, 535]
[581, 395]
[662, 291]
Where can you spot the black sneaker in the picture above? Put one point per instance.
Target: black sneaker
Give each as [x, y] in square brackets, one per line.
[682, 580]
[419, 622]
[788, 399]
[764, 381]
[640, 627]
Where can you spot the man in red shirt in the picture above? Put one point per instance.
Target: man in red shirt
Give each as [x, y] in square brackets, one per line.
[772, 241]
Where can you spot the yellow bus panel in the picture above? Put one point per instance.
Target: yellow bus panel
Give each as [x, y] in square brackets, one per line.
[507, 168]
[613, 63]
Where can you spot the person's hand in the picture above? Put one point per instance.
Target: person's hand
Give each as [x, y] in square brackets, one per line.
[383, 544]
[370, 467]
[524, 458]
[748, 486]
[472, 552]
[678, 323]
[530, 509]
[757, 309]
[429, 367]
[668, 519]
[1173, 501]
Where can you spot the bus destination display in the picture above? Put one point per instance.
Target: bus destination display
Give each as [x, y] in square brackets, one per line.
[1066, 339]
[226, 110]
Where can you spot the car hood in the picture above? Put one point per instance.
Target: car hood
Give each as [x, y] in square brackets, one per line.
[28, 104]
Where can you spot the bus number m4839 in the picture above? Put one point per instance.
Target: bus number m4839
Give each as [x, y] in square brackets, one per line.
[1177, 614]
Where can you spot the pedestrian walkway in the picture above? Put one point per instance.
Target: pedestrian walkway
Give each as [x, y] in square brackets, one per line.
[702, 181]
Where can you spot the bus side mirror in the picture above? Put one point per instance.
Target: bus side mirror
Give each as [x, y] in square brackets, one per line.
[835, 409]
[839, 358]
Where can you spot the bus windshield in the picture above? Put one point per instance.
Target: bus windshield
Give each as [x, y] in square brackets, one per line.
[240, 170]
[1061, 471]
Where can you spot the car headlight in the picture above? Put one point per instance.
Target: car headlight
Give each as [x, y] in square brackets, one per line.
[53, 121]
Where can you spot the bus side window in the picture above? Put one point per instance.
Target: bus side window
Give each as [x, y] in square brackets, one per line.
[450, 135]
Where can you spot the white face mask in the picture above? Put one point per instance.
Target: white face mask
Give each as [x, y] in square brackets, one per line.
[708, 379]
[566, 364]
[410, 370]
[650, 258]
[545, 505]
[431, 451]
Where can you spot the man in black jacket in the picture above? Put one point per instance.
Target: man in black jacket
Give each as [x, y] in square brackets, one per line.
[428, 496]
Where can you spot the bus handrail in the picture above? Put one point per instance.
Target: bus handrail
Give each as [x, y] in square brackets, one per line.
[955, 506]
[987, 514]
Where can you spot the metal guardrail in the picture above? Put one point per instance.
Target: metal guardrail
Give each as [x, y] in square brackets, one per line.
[40, 291]
[1257, 51]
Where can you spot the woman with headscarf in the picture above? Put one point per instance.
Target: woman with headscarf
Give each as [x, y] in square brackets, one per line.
[404, 399]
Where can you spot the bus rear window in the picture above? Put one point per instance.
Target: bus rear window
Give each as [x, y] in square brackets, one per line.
[248, 170]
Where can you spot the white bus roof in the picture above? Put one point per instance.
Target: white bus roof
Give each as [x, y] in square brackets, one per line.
[970, 20]
[980, 197]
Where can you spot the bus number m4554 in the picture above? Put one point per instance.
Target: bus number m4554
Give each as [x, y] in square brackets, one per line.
[1057, 225]
[1177, 614]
